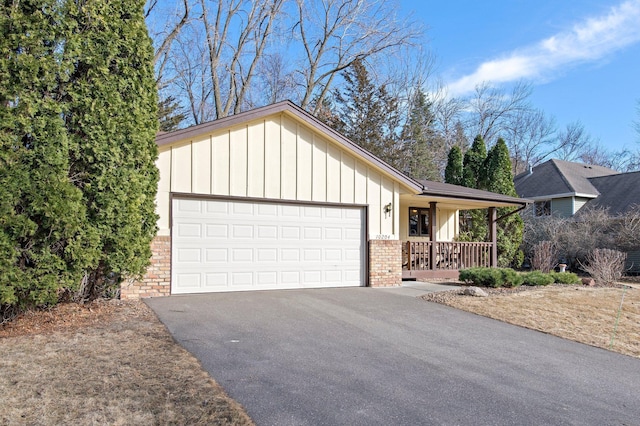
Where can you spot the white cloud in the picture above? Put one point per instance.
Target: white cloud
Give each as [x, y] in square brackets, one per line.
[587, 41]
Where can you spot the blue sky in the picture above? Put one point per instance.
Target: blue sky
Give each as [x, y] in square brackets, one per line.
[582, 56]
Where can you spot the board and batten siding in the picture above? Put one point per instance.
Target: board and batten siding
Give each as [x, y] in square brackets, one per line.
[275, 158]
[446, 225]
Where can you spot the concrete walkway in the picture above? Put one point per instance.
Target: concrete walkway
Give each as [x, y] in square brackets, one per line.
[363, 356]
[417, 288]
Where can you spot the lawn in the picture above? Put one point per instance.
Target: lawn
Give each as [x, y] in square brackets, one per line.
[584, 314]
[111, 362]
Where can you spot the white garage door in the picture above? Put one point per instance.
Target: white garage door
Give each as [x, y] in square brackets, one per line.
[223, 245]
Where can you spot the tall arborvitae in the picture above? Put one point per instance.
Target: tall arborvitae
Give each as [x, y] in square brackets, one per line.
[78, 117]
[453, 173]
[474, 176]
[112, 122]
[510, 229]
[46, 242]
[473, 164]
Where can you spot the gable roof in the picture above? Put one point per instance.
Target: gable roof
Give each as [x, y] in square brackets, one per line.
[292, 110]
[436, 190]
[558, 178]
[618, 193]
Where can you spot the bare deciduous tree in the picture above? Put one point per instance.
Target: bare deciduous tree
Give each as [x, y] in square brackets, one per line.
[236, 33]
[335, 33]
[189, 63]
[529, 135]
[277, 81]
[311, 40]
[491, 108]
[165, 32]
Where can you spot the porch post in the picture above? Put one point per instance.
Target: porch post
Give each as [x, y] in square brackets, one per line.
[432, 235]
[493, 235]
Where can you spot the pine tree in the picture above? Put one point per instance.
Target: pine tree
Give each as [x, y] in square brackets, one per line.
[170, 114]
[419, 138]
[510, 229]
[453, 173]
[112, 121]
[368, 115]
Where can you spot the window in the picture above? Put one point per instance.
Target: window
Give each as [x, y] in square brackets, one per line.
[542, 208]
[418, 222]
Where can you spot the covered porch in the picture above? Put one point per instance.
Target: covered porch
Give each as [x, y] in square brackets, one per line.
[430, 227]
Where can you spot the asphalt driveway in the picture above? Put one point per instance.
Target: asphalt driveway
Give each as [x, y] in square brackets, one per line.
[362, 356]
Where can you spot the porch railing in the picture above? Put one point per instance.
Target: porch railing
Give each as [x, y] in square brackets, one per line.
[419, 256]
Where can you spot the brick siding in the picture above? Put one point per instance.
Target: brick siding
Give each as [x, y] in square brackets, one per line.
[385, 263]
[157, 280]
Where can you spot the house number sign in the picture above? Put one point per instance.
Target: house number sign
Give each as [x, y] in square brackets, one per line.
[383, 237]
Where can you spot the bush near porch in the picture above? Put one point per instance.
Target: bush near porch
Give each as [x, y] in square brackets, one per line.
[506, 277]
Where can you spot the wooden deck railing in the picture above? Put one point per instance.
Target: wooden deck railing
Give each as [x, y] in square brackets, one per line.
[418, 256]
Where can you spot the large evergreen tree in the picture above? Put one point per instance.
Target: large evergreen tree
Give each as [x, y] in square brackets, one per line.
[453, 173]
[78, 116]
[112, 121]
[368, 115]
[474, 175]
[473, 164]
[419, 137]
[170, 114]
[45, 241]
[510, 229]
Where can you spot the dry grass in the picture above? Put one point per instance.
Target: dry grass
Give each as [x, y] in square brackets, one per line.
[111, 363]
[583, 314]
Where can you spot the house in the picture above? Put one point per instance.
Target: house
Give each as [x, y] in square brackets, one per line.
[562, 188]
[274, 199]
[559, 187]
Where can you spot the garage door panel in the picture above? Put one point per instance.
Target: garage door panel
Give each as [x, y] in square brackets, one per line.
[241, 209]
[216, 255]
[290, 255]
[268, 233]
[267, 255]
[216, 230]
[216, 207]
[215, 280]
[290, 210]
[188, 207]
[189, 255]
[186, 230]
[222, 245]
[241, 279]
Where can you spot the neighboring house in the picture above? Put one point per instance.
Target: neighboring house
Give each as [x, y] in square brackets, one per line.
[559, 187]
[274, 199]
[562, 188]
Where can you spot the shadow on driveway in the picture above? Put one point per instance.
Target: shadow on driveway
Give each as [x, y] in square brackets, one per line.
[362, 356]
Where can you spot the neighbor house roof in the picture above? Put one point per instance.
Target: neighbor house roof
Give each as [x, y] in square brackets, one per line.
[558, 178]
[618, 193]
[285, 107]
